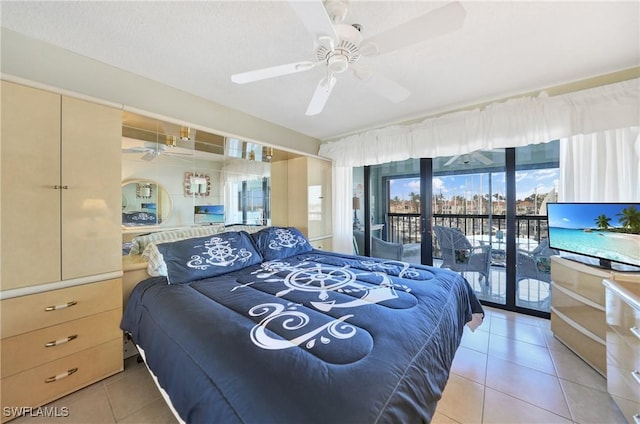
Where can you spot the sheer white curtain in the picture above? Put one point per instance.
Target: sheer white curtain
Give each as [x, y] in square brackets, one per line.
[342, 209]
[600, 167]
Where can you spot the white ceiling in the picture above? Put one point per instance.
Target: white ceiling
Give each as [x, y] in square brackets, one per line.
[504, 49]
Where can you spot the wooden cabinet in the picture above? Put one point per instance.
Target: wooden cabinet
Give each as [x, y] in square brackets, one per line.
[60, 184]
[61, 267]
[301, 197]
[623, 344]
[58, 341]
[578, 309]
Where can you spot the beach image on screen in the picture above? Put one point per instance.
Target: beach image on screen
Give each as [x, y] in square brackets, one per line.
[603, 230]
[209, 214]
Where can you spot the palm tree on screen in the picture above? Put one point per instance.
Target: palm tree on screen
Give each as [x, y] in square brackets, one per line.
[630, 219]
[602, 222]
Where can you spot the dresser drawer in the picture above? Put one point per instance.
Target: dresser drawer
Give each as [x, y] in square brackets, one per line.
[591, 351]
[584, 315]
[623, 382]
[579, 278]
[623, 318]
[41, 346]
[38, 386]
[32, 312]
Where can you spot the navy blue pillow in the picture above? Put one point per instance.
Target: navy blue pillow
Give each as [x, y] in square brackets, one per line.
[203, 257]
[281, 242]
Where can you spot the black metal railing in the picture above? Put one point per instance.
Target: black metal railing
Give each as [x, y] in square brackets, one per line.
[405, 227]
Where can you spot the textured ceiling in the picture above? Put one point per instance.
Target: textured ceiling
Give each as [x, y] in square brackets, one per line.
[503, 49]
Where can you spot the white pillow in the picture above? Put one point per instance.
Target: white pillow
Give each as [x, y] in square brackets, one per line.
[139, 243]
[156, 266]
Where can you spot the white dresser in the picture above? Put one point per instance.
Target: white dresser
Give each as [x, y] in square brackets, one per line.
[623, 344]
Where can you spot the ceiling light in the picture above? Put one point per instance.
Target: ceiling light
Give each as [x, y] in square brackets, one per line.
[185, 133]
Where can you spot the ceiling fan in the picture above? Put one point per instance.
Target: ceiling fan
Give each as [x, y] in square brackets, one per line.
[469, 157]
[150, 149]
[338, 46]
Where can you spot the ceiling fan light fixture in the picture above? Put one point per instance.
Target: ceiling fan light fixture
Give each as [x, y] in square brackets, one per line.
[337, 63]
[185, 133]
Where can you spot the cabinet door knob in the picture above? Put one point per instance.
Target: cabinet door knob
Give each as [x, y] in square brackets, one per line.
[61, 376]
[636, 375]
[635, 331]
[63, 306]
[61, 341]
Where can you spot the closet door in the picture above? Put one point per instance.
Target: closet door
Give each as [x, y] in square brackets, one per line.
[92, 201]
[30, 171]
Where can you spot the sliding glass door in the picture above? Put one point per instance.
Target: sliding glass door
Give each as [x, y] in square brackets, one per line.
[488, 200]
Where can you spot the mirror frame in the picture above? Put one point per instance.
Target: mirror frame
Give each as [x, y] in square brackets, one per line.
[159, 189]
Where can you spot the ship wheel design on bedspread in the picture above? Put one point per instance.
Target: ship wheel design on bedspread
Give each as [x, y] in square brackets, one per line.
[318, 279]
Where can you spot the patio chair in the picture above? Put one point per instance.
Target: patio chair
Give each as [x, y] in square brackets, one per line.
[535, 265]
[459, 255]
[379, 248]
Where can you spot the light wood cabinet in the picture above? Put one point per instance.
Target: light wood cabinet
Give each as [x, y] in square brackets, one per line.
[623, 344]
[60, 184]
[301, 197]
[58, 341]
[60, 244]
[578, 310]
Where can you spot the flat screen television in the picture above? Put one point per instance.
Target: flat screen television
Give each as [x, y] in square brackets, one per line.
[208, 214]
[601, 234]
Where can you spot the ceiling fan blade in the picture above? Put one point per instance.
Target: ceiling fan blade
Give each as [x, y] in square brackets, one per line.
[135, 150]
[149, 156]
[433, 24]
[271, 72]
[452, 160]
[320, 96]
[382, 85]
[314, 16]
[482, 158]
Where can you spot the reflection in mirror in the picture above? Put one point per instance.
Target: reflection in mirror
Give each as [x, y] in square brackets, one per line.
[144, 203]
[199, 168]
[197, 184]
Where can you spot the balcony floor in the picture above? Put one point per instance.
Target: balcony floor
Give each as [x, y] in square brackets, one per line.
[531, 293]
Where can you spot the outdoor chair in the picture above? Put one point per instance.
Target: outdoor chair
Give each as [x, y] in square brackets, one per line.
[379, 248]
[459, 255]
[535, 265]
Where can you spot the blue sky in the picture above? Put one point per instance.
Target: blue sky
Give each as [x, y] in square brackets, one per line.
[540, 180]
[581, 215]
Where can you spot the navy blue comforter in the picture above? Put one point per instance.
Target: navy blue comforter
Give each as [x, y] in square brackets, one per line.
[317, 337]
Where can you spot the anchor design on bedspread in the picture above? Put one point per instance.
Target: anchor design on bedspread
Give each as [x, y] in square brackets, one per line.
[313, 277]
[217, 252]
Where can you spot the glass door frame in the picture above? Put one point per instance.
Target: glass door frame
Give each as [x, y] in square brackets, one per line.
[426, 210]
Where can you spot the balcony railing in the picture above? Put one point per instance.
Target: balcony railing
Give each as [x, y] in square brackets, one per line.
[405, 227]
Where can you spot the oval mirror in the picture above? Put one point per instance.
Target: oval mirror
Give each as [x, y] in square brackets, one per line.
[145, 203]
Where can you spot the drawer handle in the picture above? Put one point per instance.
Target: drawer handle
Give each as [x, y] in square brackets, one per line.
[61, 376]
[635, 331]
[636, 375]
[63, 306]
[61, 341]
[636, 418]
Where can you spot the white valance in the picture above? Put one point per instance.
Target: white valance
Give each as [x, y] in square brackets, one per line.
[513, 123]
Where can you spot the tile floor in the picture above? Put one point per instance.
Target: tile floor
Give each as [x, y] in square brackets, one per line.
[510, 370]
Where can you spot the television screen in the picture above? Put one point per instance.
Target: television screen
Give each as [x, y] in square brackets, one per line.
[609, 232]
[209, 214]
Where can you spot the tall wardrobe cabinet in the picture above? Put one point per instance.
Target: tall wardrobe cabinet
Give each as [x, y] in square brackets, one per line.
[60, 244]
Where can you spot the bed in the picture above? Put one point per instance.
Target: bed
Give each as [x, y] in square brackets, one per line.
[262, 328]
